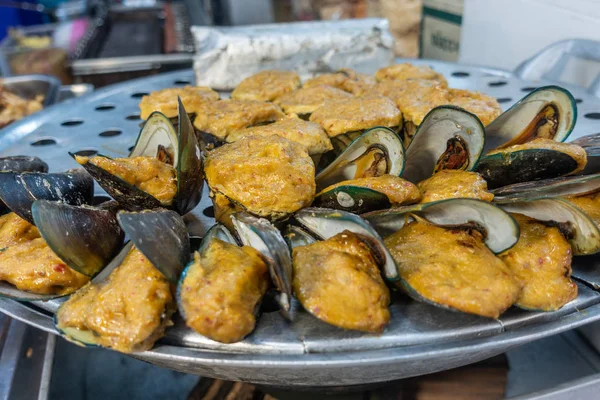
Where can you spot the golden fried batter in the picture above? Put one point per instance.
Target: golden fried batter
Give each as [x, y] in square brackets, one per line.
[33, 267]
[408, 71]
[268, 175]
[576, 152]
[221, 290]
[307, 100]
[454, 184]
[338, 281]
[343, 116]
[148, 174]
[399, 191]
[14, 107]
[14, 229]
[308, 134]
[485, 107]
[127, 312]
[541, 261]
[266, 86]
[225, 116]
[345, 79]
[589, 204]
[165, 100]
[453, 268]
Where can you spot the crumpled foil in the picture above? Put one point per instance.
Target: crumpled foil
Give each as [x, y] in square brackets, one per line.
[227, 55]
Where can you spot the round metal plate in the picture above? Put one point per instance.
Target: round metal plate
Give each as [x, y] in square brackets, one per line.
[420, 339]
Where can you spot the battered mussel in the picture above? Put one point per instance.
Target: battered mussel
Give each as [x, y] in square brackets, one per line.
[164, 168]
[338, 279]
[448, 138]
[129, 305]
[365, 176]
[534, 160]
[444, 253]
[548, 112]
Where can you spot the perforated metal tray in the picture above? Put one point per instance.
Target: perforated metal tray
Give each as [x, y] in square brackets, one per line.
[420, 339]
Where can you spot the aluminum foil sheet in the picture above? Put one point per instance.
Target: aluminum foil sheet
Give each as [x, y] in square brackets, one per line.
[225, 56]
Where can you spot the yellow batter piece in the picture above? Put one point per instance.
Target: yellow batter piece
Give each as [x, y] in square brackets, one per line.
[165, 100]
[266, 86]
[225, 116]
[148, 174]
[127, 312]
[221, 290]
[33, 267]
[306, 100]
[454, 184]
[576, 152]
[589, 204]
[268, 175]
[409, 71]
[309, 134]
[485, 107]
[338, 281]
[453, 268]
[342, 116]
[399, 191]
[541, 261]
[14, 229]
[345, 79]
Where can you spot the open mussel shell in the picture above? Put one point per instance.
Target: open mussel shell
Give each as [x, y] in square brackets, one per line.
[22, 164]
[158, 138]
[548, 188]
[448, 138]
[325, 223]
[514, 166]
[549, 112]
[19, 190]
[86, 238]
[501, 231]
[87, 338]
[578, 228]
[295, 236]
[162, 238]
[354, 199]
[376, 152]
[591, 145]
[264, 237]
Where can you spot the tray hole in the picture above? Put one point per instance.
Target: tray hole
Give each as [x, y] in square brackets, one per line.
[593, 115]
[139, 95]
[460, 74]
[100, 199]
[110, 133]
[504, 99]
[105, 107]
[528, 89]
[497, 83]
[209, 212]
[44, 142]
[72, 122]
[131, 148]
[133, 117]
[182, 82]
[86, 152]
[578, 101]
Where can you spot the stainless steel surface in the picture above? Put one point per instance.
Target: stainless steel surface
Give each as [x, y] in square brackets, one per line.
[30, 86]
[421, 339]
[70, 91]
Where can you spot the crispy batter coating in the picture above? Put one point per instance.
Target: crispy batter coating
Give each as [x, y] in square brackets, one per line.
[541, 261]
[454, 184]
[221, 290]
[165, 100]
[308, 134]
[342, 116]
[409, 71]
[266, 86]
[399, 191]
[453, 268]
[485, 107]
[14, 229]
[127, 312]
[267, 175]
[345, 79]
[338, 281]
[222, 117]
[308, 99]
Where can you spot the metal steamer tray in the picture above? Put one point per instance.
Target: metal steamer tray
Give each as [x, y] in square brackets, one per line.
[306, 353]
